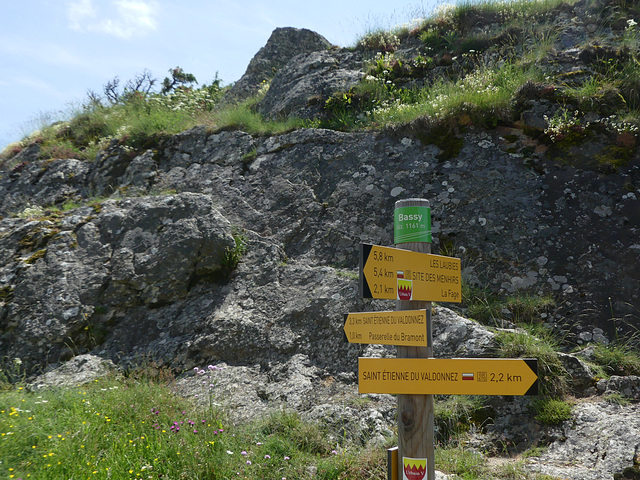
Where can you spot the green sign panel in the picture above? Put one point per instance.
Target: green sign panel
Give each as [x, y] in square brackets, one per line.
[412, 224]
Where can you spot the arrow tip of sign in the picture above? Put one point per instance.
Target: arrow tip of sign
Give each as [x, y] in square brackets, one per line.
[533, 390]
[532, 363]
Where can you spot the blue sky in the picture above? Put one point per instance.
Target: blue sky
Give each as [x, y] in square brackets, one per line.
[53, 51]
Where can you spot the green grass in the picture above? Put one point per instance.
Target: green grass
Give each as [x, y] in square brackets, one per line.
[243, 116]
[481, 98]
[104, 430]
[142, 121]
[137, 427]
[490, 308]
[536, 342]
[455, 415]
[618, 358]
[513, 8]
[470, 465]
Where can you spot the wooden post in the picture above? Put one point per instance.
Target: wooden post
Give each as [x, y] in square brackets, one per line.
[415, 412]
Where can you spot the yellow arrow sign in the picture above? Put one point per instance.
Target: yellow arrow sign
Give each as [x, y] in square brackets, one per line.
[448, 376]
[395, 274]
[403, 327]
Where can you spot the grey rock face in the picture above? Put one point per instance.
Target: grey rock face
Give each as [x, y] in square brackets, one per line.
[40, 183]
[77, 371]
[580, 375]
[283, 44]
[455, 336]
[600, 441]
[301, 87]
[72, 280]
[627, 386]
[306, 200]
[141, 276]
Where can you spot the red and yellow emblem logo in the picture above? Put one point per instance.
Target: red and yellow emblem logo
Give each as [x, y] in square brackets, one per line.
[414, 468]
[405, 286]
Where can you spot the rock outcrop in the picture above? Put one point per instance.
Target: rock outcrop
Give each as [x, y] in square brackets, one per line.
[305, 201]
[146, 265]
[601, 440]
[302, 87]
[282, 46]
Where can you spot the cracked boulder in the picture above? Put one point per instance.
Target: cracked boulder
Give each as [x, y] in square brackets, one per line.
[67, 280]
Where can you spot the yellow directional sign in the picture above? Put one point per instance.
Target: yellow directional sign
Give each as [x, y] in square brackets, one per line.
[395, 274]
[452, 376]
[403, 327]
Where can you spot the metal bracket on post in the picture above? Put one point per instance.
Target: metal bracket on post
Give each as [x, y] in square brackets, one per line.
[392, 463]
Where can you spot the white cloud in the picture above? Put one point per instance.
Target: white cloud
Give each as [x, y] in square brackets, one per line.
[79, 12]
[122, 18]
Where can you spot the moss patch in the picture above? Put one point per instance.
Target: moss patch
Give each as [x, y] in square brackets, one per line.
[448, 143]
[615, 156]
[36, 238]
[36, 256]
[6, 293]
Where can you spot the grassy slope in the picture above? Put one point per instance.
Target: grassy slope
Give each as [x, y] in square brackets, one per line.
[469, 68]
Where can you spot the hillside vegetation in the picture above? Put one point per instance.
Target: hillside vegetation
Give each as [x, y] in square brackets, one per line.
[474, 64]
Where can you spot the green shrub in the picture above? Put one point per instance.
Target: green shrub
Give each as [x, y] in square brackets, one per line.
[536, 342]
[551, 411]
[134, 114]
[456, 414]
[232, 255]
[618, 358]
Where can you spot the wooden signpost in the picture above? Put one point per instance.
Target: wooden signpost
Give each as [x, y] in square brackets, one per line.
[414, 278]
[416, 456]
